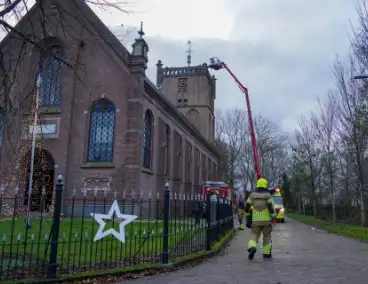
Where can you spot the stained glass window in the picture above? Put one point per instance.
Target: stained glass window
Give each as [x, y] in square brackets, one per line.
[147, 140]
[101, 132]
[50, 75]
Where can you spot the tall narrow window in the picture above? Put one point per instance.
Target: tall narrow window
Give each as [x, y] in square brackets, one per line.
[167, 164]
[180, 158]
[2, 128]
[198, 167]
[147, 140]
[101, 132]
[50, 75]
[178, 149]
[188, 162]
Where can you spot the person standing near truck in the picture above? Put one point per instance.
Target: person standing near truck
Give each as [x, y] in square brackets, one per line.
[241, 212]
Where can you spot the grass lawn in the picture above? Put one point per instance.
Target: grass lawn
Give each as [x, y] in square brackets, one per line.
[76, 247]
[356, 232]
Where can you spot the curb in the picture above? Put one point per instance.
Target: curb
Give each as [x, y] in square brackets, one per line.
[216, 249]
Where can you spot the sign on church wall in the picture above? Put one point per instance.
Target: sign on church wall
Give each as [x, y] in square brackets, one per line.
[47, 129]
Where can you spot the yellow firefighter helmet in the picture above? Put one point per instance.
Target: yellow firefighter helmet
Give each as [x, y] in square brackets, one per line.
[262, 183]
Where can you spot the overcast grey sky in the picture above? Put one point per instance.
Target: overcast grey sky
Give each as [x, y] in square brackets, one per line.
[282, 50]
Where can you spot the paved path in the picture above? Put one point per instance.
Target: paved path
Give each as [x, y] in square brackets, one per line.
[302, 255]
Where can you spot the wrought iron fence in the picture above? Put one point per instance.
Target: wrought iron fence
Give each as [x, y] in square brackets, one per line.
[219, 219]
[91, 231]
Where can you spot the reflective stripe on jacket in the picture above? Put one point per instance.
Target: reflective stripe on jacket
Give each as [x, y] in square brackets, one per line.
[260, 211]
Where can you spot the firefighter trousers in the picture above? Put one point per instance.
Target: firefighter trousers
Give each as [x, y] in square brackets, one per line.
[256, 231]
[241, 214]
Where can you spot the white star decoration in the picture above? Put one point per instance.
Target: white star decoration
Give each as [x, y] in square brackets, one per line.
[126, 219]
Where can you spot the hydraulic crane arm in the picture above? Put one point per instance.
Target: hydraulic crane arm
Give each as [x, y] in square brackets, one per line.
[216, 64]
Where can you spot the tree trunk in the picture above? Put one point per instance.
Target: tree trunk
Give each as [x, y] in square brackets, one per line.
[362, 208]
[314, 195]
[333, 209]
[298, 203]
[333, 199]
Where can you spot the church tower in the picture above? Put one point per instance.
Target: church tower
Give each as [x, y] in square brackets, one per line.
[192, 90]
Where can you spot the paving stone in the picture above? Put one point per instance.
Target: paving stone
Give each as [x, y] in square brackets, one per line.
[301, 255]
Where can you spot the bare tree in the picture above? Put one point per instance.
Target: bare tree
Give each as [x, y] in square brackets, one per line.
[310, 156]
[353, 119]
[272, 146]
[330, 152]
[324, 121]
[359, 43]
[232, 130]
[247, 174]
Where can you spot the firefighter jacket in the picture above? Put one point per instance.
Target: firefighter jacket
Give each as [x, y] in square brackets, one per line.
[260, 206]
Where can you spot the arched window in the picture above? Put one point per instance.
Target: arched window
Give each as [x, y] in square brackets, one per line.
[101, 132]
[50, 75]
[2, 128]
[147, 140]
[167, 154]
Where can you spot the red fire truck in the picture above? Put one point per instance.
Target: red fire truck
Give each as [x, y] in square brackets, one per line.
[215, 188]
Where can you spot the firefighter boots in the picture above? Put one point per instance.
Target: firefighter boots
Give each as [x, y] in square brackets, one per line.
[252, 251]
[267, 256]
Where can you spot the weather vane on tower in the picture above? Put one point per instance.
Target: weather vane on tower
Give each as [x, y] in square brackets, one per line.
[141, 32]
[189, 51]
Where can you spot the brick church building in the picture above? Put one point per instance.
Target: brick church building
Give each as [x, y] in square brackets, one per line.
[105, 125]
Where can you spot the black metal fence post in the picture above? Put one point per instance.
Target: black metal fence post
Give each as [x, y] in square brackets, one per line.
[218, 217]
[165, 245]
[231, 214]
[209, 225]
[52, 267]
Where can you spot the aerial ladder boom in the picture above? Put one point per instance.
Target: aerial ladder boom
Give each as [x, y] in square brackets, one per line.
[217, 64]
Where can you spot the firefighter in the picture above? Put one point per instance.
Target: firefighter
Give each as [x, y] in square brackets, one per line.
[241, 212]
[260, 211]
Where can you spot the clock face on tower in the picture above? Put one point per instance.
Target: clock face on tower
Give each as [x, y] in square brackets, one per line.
[182, 84]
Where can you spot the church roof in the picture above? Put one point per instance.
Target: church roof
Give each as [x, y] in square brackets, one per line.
[103, 31]
[106, 34]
